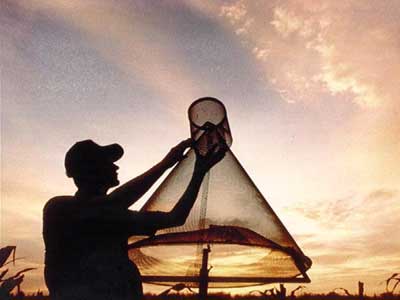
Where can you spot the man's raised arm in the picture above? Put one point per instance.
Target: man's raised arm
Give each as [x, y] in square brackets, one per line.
[178, 215]
[128, 193]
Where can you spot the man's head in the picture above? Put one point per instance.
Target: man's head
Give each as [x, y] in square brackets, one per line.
[93, 165]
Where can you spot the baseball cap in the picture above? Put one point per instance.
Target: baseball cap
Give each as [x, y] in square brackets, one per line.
[86, 155]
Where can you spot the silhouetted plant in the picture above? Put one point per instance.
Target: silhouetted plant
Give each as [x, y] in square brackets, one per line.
[299, 288]
[272, 292]
[394, 278]
[177, 288]
[7, 285]
[5, 253]
[342, 289]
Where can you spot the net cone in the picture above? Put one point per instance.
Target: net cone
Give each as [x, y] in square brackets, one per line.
[248, 243]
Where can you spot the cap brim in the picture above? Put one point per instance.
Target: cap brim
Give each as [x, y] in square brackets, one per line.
[113, 152]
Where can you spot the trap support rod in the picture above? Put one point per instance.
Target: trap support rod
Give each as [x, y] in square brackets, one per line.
[203, 280]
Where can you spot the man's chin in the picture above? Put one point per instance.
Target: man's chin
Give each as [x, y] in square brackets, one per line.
[110, 184]
[115, 183]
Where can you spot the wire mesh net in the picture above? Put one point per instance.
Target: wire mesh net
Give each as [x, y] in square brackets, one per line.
[208, 124]
[249, 244]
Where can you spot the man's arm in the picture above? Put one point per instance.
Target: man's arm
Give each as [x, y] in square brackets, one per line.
[178, 215]
[128, 193]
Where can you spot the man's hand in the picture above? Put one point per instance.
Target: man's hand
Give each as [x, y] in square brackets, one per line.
[205, 162]
[176, 153]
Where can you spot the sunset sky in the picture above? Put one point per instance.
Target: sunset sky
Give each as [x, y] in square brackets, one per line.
[311, 89]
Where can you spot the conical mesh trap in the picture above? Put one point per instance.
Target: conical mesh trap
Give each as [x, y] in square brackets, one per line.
[246, 242]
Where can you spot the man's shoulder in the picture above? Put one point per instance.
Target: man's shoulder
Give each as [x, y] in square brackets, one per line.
[58, 202]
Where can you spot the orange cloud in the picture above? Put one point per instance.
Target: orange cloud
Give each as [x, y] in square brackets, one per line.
[352, 235]
[316, 48]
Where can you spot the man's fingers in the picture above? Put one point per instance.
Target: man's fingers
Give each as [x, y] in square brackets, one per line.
[183, 157]
[216, 154]
[211, 152]
[196, 150]
[220, 154]
[186, 143]
[182, 146]
[223, 148]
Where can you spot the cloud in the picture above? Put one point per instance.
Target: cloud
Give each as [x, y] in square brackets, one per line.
[358, 226]
[381, 195]
[235, 13]
[351, 208]
[286, 23]
[352, 237]
[325, 47]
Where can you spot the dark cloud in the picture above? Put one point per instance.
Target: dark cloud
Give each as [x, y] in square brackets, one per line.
[381, 195]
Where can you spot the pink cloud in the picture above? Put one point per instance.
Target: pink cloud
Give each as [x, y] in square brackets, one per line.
[328, 47]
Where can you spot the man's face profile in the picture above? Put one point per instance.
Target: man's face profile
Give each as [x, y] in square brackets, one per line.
[102, 174]
[92, 165]
[107, 173]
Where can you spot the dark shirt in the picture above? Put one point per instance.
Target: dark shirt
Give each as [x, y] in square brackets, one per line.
[86, 249]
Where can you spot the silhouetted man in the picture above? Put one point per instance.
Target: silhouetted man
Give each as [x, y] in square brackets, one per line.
[86, 234]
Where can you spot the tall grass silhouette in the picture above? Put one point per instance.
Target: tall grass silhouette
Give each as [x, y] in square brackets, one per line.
[8, 284]
[394, 278]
